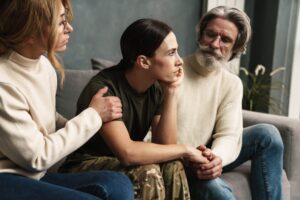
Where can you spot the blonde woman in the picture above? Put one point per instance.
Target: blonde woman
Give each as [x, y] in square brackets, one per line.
[33, 137]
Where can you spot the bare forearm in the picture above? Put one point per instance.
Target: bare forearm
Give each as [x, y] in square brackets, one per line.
[166, 130]
[140, 153]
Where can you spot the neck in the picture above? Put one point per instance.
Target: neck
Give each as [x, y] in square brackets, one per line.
[138, 79]
[28, 52]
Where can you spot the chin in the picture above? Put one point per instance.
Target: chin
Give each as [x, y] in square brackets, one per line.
[169, 80]
[61, 49]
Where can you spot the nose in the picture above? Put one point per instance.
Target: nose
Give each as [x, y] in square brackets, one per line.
[215, 43]
[68, 28]
[179, 60]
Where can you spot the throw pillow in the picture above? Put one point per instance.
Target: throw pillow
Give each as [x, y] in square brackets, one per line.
[100, 64]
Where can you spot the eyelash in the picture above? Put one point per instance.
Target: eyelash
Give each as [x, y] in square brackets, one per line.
[64, 22]
[172, 53]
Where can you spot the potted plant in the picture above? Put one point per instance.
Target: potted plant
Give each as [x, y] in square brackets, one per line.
[257, 87]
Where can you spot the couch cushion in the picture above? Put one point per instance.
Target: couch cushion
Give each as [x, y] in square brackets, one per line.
[66, 97]
[100, 63]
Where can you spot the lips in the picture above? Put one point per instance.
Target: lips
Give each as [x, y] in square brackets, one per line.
[65, 41]
[214, 54]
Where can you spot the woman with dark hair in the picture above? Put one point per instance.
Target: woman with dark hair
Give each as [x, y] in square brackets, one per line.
[146, 80]
[33, 136]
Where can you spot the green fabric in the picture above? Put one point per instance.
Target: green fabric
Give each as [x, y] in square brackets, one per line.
[154, 181]
[138, 109]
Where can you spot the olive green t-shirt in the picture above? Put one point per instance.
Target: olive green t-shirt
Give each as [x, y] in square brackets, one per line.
[138, 108]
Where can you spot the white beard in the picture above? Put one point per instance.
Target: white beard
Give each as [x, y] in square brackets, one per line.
[209, 59]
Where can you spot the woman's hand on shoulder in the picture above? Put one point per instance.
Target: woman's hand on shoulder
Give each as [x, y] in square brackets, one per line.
[109, 107]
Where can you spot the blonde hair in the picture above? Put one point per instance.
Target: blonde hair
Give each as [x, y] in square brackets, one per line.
[21, 19]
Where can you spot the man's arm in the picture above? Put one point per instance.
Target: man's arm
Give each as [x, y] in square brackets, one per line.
[227, 133]
[227, 137]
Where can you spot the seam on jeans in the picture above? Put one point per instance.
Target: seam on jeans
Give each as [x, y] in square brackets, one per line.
[264, 175]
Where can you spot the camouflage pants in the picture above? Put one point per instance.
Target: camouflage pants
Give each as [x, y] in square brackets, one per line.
[154, 181]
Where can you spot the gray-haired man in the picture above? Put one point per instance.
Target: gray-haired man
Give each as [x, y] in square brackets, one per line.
[210, 113]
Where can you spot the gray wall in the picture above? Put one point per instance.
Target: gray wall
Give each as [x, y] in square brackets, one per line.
[98, 25]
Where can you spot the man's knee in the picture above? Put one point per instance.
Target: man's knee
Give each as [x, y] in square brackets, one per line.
[270, 136]
[148, 182]
[175, 180]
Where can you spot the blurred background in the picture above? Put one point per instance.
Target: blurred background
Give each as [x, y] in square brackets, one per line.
[270, 69]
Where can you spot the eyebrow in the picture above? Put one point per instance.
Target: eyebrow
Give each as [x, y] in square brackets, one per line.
[65, 12]
[173, 49]
[224, 35]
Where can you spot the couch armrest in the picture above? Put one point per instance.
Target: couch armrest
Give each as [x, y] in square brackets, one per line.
[290, 133]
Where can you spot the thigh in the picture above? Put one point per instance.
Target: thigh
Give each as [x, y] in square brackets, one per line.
[104, 184]
[255, 139]
[147, 181]
[15, 187]
[214, 189]
[175, 181]
[82, 163]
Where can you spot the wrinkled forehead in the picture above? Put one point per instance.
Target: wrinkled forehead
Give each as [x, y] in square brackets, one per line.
[222, 26]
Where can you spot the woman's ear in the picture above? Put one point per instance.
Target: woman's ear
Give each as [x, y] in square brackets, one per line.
[143, 61]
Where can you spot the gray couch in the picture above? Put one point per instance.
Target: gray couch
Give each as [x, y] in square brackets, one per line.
[239, 178]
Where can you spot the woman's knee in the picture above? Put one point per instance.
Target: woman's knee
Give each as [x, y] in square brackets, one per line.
[112, 185]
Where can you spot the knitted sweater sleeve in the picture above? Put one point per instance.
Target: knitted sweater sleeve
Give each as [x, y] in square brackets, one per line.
[227, 137]
[60, 121]
[33, 149]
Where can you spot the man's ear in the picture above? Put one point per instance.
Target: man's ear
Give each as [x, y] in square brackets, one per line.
[143, 61]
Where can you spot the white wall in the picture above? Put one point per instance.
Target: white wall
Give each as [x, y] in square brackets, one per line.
[231, 3]
[294, 103]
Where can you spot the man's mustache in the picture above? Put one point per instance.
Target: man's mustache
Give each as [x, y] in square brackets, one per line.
[213, 52]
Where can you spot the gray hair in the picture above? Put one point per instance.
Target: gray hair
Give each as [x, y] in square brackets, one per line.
[234, 15]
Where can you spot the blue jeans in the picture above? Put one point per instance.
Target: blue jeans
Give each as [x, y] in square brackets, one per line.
[262, 144]
[72, 186]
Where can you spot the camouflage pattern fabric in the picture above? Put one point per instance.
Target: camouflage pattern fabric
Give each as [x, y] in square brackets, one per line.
[165, 181]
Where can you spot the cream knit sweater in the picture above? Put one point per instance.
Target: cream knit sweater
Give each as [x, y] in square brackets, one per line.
[210, 109]
[29, 140]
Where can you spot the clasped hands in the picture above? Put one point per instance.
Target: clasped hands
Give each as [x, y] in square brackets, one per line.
[210, 169]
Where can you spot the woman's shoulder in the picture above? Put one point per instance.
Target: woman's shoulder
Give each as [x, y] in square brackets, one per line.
[46, 64]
